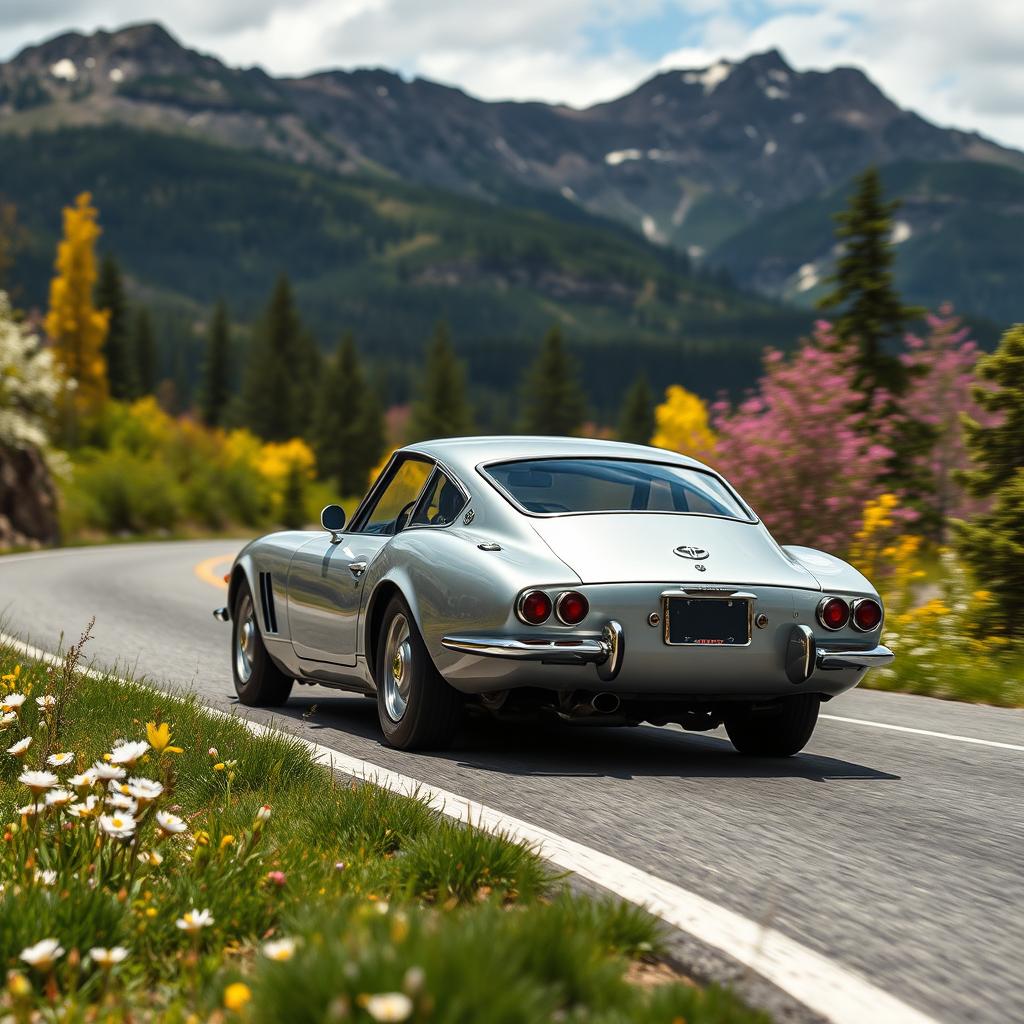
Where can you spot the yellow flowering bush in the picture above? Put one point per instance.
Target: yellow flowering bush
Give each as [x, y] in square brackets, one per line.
[932, 621]
[682, 424]
[149, 471]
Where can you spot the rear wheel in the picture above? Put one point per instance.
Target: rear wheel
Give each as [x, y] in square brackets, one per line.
[418, 710]
[780, 731]
[259, 683]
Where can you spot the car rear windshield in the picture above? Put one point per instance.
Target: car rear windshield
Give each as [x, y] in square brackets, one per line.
[560, 486]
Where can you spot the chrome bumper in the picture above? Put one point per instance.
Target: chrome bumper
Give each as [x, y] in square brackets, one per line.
[837, 660]
[605, 652]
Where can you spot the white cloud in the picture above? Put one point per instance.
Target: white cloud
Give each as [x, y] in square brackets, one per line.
[954, 62]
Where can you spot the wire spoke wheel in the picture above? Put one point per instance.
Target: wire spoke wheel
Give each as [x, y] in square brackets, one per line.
[398, 668]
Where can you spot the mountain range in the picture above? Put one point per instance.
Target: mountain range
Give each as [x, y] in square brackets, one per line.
[393, 200]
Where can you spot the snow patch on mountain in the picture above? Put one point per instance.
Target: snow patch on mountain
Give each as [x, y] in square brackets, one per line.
[710, 78]
[64, 69]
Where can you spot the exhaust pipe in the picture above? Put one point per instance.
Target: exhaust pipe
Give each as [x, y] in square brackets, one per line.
[581, 704]
[605, 703]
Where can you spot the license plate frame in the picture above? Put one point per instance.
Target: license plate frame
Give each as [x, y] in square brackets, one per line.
[738, 633]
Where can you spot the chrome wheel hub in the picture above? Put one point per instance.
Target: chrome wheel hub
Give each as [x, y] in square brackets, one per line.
[398, 668]
[245, 646]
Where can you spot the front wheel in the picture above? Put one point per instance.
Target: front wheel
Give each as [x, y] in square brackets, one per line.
[418, 710]
[259, 683]
[780, 731]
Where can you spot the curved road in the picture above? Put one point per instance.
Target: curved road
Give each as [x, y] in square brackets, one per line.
[896, 854]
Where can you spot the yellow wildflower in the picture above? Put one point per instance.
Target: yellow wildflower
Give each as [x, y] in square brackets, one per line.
[159, 737]
[237, 995]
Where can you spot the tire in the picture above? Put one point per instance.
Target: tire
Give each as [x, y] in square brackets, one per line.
[779, 732]
[417, 709]
[259, 683]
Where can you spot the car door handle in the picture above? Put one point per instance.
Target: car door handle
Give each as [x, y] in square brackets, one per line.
[357, 568]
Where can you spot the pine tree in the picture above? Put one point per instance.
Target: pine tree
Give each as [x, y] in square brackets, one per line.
[121, 370]
[143, 345]
[636, 422]
[349, 427]
[871, 312]
[993, 543]
[442, 409]
[216, 386]
[554, 401]
[276, 395]
[76, 327]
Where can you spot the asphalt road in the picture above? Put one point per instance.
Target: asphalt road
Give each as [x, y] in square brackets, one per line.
[896, 854]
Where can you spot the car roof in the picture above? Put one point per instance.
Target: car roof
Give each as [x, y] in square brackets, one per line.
[463, 454]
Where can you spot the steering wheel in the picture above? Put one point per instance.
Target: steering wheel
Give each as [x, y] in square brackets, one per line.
[402, 519]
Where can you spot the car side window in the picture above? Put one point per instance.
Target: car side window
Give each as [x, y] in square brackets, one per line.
[394, 503]
[441, 503]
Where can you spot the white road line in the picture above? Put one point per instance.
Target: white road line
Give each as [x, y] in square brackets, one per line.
[924, 732]
[833, 991]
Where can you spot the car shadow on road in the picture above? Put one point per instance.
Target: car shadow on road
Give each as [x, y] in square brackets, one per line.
[558, 749]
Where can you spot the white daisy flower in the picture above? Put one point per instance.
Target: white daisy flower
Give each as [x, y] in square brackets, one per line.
[46, 877]
[20, 747]
[263, 814]
[38, 782]
[108, 958]
[12, 702]
[194, 920]
[145, 790]
[61, 760]
[59, 797]
[122, 803]
[128, 752]
[118, 825]
[152, 858]
[47, 702]
[43, 955]
[28, 810]
[7, 718]
[170, 823]
[84, 780]
[389, 1006]
[85, 809]
[105, 771]
[279, 949]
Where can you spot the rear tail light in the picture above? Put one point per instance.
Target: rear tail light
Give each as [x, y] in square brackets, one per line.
[571, 608]
[867, 614]
[833, 613]
[534, 607]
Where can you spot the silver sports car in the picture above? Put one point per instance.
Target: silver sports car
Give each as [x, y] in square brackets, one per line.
[586, 579]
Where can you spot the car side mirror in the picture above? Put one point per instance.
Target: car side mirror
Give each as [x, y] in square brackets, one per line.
[332, 519]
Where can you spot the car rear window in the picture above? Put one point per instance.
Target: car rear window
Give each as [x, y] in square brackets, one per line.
[565, 486]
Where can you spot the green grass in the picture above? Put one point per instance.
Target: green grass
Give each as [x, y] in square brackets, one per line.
[381, 895]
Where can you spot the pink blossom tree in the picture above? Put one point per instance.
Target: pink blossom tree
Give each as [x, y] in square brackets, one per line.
[799, 449]
[941, 374]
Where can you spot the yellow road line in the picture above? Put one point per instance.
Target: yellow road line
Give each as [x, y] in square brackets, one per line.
[207, 571]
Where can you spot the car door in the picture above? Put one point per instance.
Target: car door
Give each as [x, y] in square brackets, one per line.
[326, 575]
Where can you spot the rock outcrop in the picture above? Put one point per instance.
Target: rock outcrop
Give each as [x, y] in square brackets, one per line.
[28, 499]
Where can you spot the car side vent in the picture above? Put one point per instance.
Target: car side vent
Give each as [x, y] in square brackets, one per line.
[267, 601]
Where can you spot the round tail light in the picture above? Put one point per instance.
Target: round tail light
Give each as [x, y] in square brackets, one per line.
[534, 607]
[833, 613]
[867, 614]
[571, 608]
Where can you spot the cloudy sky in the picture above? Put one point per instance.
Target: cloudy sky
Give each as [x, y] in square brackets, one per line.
[958, 62]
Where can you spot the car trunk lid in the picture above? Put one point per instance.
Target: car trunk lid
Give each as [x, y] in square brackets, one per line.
[641, 547]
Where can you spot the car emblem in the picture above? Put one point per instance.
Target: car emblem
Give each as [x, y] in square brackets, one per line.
[688, 551]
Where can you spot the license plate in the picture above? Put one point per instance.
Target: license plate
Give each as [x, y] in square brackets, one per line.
[707, 622]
